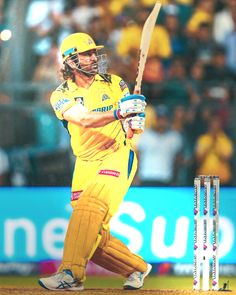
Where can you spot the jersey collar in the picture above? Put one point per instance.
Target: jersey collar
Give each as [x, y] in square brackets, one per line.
[99, 78]
[73, 87]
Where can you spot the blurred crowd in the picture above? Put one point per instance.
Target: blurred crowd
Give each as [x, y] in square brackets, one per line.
[189, 79]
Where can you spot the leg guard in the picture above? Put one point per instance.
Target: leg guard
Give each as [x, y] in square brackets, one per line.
[113, 255]
[84, 226]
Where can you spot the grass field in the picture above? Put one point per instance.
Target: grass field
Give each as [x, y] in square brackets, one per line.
[111, 285]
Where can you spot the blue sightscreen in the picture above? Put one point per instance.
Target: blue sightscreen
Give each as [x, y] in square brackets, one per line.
[157, 223]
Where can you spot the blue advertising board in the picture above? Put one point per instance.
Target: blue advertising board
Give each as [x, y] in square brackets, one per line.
[156, 223]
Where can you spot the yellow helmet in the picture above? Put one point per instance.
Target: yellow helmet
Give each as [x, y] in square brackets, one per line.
[77, 43]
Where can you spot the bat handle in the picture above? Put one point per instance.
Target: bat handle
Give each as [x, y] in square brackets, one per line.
[137, 90]
[130, 132]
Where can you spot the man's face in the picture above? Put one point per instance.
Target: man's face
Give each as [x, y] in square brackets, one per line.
[162, 123]
[88, 61]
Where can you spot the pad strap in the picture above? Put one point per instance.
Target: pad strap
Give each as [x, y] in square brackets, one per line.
[115, 256]
[83, 229]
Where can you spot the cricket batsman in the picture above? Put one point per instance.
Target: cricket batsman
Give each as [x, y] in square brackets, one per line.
[97, 109]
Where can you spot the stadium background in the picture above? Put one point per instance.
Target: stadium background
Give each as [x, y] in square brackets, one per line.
[191, 70]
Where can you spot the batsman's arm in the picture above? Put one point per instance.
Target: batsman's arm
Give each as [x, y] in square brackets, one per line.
[128, 106]
[80, 116]
[68, 109]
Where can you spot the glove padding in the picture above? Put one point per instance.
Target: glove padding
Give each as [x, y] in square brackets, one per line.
[136, 123]
[130, 105]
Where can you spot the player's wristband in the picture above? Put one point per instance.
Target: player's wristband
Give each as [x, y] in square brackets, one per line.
[117, 114]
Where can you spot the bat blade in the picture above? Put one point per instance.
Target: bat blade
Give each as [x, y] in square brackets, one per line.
[145, 44]
[143, 52]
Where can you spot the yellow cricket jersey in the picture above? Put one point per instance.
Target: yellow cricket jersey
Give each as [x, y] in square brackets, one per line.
[198, 17]
[130, 39]
[102, 96]
[214, 162]
[116, 7]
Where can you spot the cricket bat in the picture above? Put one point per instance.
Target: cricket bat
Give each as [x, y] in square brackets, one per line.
[143, 51]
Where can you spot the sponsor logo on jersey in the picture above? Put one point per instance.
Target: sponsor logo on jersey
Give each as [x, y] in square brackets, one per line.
[105, 97]
[103, 109]
[75, 195]
[60, 104]
[109, 172]
[79, 99]
[122, 85]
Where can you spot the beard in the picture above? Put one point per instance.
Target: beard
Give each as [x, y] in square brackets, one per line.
[89, 70]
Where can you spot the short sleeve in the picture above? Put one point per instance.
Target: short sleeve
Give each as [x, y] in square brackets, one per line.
[61, 103]
[120, 85]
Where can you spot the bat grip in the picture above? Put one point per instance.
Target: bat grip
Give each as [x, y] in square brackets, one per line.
[130, 132]
[137, 90]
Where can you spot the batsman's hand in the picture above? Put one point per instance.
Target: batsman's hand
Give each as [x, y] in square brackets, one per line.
[130, 106]
[136, 123]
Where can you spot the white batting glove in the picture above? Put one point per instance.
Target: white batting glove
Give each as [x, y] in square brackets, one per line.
[130, 105]
[136, 123]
